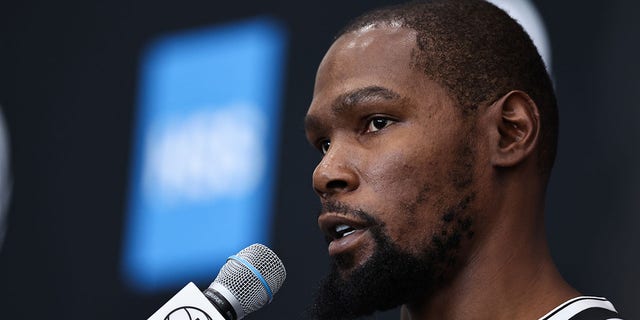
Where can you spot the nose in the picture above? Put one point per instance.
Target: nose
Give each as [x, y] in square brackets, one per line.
[336, 173]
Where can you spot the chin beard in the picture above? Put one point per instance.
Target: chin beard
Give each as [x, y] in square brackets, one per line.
[389, 278]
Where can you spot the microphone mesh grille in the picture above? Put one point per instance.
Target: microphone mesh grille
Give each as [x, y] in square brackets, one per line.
[244, 285]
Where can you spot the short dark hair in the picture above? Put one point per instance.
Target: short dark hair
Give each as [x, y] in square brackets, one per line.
[478, 53]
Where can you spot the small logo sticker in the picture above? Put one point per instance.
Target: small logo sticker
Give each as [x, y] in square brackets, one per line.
[187, 313]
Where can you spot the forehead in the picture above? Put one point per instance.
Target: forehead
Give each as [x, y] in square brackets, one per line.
[360, 58]
[372, 57]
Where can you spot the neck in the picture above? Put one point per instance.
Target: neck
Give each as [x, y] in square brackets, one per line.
[509, 276]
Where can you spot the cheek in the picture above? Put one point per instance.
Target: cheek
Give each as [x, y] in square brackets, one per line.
[413, 188]
[402, 184]
[391, 173]
[404, 168]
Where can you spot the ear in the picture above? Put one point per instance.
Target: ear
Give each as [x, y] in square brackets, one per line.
[516, 119]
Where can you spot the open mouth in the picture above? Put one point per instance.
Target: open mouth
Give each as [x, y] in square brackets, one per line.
[343, 230]
[344, 233]
[337, 226]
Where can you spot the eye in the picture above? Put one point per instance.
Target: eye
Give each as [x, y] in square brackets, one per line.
[378, 123]
[324, 146]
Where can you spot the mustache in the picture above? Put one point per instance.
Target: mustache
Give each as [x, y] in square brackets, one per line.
[345, 209]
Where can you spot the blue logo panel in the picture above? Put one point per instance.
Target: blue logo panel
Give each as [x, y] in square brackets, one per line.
[204, 155]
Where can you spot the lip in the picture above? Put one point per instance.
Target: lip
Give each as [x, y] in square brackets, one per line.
[328, 222]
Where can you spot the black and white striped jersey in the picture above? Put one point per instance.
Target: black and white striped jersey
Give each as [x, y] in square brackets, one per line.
[584, 308]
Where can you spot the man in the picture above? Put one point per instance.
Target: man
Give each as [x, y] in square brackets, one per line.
[438, 125]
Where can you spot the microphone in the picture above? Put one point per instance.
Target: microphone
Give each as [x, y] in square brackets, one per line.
[246, 282]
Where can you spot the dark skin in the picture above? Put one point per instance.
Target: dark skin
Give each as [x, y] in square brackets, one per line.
[389, 134]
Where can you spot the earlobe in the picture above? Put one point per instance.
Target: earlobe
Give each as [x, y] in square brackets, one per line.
[517, 121]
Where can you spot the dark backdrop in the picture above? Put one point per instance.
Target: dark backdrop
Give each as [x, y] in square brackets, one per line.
[68, 77]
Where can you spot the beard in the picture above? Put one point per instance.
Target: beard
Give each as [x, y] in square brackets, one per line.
[389, 278]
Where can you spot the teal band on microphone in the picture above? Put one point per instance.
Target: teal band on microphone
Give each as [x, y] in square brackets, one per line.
[255, 272]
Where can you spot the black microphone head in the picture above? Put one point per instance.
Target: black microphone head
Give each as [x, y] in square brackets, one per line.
[252, 277]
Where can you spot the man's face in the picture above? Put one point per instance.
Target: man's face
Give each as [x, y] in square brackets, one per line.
[395, 180]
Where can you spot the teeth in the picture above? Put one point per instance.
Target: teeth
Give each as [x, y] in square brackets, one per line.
[348, 233]
[344, 230]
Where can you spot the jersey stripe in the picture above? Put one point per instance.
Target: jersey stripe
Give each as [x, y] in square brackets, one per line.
[578, 305]
[595, 314]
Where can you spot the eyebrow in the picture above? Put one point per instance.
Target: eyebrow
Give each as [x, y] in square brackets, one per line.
[346, 101]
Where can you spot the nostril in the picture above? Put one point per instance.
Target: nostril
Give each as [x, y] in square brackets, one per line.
[337, 184]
